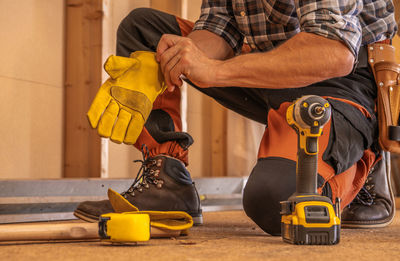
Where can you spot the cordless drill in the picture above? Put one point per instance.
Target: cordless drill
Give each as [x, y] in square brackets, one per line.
[307, 217]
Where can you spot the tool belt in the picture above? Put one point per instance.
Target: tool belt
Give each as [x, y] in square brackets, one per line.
[381, 58]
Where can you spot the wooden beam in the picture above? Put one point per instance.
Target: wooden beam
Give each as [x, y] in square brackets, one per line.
[169, 6]
[82, 79]
[396, 4]
[218, 125]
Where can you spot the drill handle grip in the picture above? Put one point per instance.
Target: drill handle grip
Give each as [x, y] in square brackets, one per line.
[307, 167]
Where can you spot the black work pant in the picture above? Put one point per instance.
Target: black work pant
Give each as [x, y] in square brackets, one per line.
[272, 179]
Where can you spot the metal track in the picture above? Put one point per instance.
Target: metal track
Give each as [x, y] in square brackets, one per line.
[49, 200]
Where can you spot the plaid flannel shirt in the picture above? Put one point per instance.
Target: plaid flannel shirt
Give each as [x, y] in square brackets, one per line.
[265, 24]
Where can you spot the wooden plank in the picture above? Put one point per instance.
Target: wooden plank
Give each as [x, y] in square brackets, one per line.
[218, 128]
[395, 173]
[82, 80]
[65, 231]
[396, 4]
[395, 161]
[168, 6]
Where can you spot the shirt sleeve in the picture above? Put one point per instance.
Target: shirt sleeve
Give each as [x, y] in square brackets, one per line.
[334, 19]
[218, 17]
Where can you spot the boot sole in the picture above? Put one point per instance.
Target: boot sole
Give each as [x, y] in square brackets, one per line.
[371, 224]
[85, 216]
[363, 224]
[197, 220]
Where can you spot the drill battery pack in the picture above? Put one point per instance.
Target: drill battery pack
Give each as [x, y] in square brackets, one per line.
[310, 220]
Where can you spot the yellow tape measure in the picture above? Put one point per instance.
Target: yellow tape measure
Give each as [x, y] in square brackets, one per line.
[124, 227]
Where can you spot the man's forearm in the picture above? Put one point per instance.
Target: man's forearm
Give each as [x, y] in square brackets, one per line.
[304, 59]
[212, 45]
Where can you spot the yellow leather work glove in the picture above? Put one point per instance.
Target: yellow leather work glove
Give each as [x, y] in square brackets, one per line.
[171, 220]
[124, 102]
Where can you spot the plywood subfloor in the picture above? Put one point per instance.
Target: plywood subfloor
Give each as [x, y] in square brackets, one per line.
[224, 236]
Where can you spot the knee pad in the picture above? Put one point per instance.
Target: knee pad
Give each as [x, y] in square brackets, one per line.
[272, 180]
[161, 128]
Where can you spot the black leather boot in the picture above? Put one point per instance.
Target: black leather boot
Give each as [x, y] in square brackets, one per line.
[374, 205]
[163, 183]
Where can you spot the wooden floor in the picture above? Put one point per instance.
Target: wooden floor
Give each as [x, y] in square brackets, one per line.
[224, 236]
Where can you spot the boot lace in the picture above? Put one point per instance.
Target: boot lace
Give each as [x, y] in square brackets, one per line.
[366, 195]
[148, 174]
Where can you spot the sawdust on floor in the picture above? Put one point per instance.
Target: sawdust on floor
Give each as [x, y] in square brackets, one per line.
[224, 236]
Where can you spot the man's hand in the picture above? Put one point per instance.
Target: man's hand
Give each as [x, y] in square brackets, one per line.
[179, 56]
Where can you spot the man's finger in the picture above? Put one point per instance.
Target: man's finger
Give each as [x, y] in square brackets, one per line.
[166, 41]
[168, 55]
[168, 67]
[175, 75]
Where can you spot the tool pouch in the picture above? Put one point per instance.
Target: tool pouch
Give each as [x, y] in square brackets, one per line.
[386, 70]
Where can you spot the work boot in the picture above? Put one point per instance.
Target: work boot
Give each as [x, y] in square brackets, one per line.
[163, 184]
[374, 205]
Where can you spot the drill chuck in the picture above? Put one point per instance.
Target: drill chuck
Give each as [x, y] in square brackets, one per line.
[309, 113]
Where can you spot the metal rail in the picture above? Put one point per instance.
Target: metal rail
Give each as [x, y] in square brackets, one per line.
[50, 200]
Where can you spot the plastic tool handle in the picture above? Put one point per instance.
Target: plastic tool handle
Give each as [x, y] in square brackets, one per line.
[307, 168]
[307, 116]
